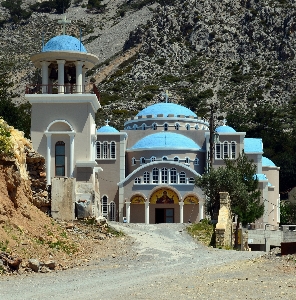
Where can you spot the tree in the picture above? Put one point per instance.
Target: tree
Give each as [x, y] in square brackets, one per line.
[16, 12]
[237, 178]
[62, 5]
[16, 116]
[288, 213]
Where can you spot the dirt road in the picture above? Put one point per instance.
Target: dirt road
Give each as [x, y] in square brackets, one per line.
[164, 263]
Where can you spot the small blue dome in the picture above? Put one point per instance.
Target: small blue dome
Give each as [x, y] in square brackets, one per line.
[166, 140]
[106, 129]
[253, 145]
[266, 162]
[225, 129]
[64, 43]
[166, 109]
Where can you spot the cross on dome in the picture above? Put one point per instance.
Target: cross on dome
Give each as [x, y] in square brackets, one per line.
[224, 122]
[166, 95]
[63, 22]
[107, 122]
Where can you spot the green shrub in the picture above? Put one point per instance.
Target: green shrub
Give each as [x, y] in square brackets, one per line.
[6, 147]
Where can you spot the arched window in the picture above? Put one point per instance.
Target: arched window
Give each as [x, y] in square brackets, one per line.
[155, 175]
[177, 126]
[164, 175]
[196, 127]
[225, 150]
[135, 127]
[112, 211]
[104, 207]
[142, 160]
[191, 180]
[98, 150]
[182, 177]
[153, 158]
[133, 161]
[60, 159]
[112, 150]
[137, 180]
[173, 175]
[233, 150]
[176, 158]
[146, 177]
[105, 150]
[187, 160]
[144, 126]
[165, 127]
[165, 158]
[154, 126]
[196, 161]
[218, 151]
[187, 127]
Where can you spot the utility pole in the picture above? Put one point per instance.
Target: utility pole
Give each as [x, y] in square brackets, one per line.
[211, 135]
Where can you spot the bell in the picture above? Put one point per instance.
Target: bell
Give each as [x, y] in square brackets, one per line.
[53, 74]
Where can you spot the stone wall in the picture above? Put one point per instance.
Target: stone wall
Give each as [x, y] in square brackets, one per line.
[224, 226]
[37, 175]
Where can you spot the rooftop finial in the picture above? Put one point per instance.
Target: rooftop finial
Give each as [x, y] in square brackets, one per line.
[63, 22]
[224, 122]
[107, 122]
[166, 95]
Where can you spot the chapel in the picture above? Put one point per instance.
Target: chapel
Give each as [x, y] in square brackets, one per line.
[144, 173]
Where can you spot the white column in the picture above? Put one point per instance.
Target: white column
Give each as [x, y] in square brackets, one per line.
[159, 176]
[128, 211]
[48, 158]
[147, 212]
[181, 212]
[71, 158]
[169, 176]
[79, 65]
[201, 210]
[45, 65]
[83, 79]
[61, 74]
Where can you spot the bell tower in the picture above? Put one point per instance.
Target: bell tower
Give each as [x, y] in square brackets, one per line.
[63, 125]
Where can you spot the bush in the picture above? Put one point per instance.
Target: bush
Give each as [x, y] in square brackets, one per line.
[6, 147]
[16, 12]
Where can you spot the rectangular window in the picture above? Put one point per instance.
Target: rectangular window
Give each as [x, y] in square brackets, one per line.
[98, 150]
[60, 159]
[105, 150]
[173, 175]
[164, 175]
[146, 177]
[233, 150]
[112, 152]
[155, 175]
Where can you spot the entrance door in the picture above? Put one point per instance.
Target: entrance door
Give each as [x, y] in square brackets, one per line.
[164, 215]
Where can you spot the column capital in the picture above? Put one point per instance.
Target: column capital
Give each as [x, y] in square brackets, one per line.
[45, 63]
[79, 63]
[181, 203]
[61, 61]
[72, 134]
[48, 134]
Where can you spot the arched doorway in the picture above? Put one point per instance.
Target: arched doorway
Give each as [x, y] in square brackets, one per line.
[164, 203]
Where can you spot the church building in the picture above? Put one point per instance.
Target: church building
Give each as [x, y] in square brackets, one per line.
[144, 173]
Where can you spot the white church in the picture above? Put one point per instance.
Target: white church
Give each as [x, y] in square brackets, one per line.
[144, 173]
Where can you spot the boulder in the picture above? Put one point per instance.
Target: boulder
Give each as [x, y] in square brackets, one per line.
[34, 264]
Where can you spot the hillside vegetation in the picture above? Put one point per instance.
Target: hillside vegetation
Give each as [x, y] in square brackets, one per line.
[239, 54]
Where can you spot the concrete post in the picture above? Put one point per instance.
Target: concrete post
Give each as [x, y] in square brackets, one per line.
[147, 212]
[181, 204]
[128, 211]
[61, 74]
[201, 210]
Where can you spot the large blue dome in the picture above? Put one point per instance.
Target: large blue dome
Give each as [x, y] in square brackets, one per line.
[107, 129]
[266, 162]
[166, 140]
[166, 109]
[64, 43]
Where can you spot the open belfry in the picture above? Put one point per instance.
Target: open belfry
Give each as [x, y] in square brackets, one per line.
[142, 174]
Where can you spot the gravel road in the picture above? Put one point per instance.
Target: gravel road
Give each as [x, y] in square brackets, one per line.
[163, 263]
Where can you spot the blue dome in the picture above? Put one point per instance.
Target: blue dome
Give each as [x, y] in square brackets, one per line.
[166, 140]
[225, 129]
[106, 129]
[253, 145]
[64, 43]
[266, 162]
[166, 109]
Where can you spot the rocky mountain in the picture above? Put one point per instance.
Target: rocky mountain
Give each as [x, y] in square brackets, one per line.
[237, 53]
